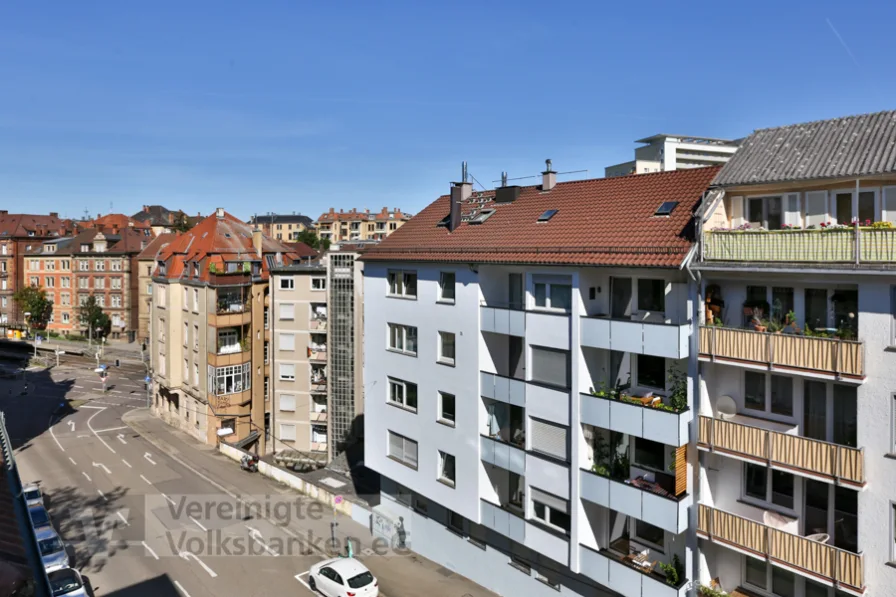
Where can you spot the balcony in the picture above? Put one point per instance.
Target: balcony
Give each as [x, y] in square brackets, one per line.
[508, 521]
[828, 357]
[800, 554]
[503, 319]
[504, 389]
[621, 575]
[824, 461]
[634, 418]
[847, 245]
[639, 337]
[319, 447]
[317, 353]
[318, 417]
[503, 454]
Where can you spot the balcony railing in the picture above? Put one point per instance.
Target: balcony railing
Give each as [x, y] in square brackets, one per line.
[851, 245]
[839, 358]
[840, 567]
[626, 578]
[648, 422]
[639, 337]
[503, 318]
[644, 501]
[826, 461]
[511, 457]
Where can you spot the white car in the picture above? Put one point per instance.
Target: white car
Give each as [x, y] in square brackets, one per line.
[52, 549]
[32, 495]
[67, 583]
[343, 577]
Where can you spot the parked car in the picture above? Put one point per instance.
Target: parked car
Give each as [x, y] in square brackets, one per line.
[33, 496]
[67, 582]
[343, 577]
[52, 549]
[40, 519]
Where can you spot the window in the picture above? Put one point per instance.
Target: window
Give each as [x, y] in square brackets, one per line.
[403, 393]
[756, 572]
[318, 283]
[116, 283]
[520, 564]
[421, 506]
[759, 386]
[196, 337]
[549, 439]
[287, 311]
[287, 432]
[66, 282]
[186, 297]
[893, 532]
[403, 338]
[446, 287]
[287, 283]
[550, 510]
[446, 408]
[754, 390]
[287, 341]
[287, 403]
[196, 374]
[100, 265]
[34, 281]
[99, 283]
[771, 486]
[650, 454]
[196, 300]
[403, 283]
[221, 335]
[115, 264]
[287, 371]
[116, 300]
[83, 265]
[550, 366]
[446, 348]
[455, 522]
[66, 298]
[64, 264]
[51, 281]
[233, 379]
[149, 288]
[403, 449]
[547, 215]
[446, 468]
[65, 317]
[83, 282]
[552, 293]
[782, 395]
[101, 301]
[648, 533]
[651, 371]
[651, 295]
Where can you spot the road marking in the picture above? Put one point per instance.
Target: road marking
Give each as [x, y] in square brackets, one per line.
[113, 428]
[52, 434]
[255, 535]
[78, 387]
[120, 437]
[125, 520]
[73, 461]
[126, 463]
[83, 436]
[187, 555]
[71, 425]
[299, 578]
[181, 589]
[94, 407]
[149, 549]
[116, 392]
[102, 466]
[145, 479]
[199, 524]
[170, 501]
[103, 495]
[111, 449]
[148, 456]
[86, 475]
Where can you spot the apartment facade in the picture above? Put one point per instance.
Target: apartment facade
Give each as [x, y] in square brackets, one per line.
[355, 225]
[282, 227]
[526, 371]
[145, 264]
[797, 491]
[210, 292]
[662, 153]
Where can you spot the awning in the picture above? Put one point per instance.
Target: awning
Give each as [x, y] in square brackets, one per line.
[246, 441]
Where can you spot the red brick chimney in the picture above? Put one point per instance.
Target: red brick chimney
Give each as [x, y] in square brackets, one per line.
[146, 209]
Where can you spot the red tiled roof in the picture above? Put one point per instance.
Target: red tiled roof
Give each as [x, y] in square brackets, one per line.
[20, 225]
[604, 221]
[302, 250]
[156, 245]
[354, 215]
[126, 241]
[120, 221]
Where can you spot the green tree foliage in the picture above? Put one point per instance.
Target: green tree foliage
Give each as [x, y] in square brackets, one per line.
[92, 317]
[33, 299]
[310, 238]
[181, 222]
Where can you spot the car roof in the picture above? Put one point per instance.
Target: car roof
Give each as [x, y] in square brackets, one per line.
[36, 507]
[348, 567]
[46, 533]
[31, 487]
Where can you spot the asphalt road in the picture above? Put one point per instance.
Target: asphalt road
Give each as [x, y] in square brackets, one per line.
[139, 522]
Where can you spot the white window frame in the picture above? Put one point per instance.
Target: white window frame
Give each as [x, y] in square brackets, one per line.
[195, 300]
[767, 503]
[397, 279]
[443, 460]
[287, 283]
[402, 386]
[443, 285]
[318, 284]
[546, 521]
[116, 300]
[441, 410]
[446, 360]
[399, 333]
[285, 376]
[100, 265]
[405, 441]
[536, 282]
[115, 265]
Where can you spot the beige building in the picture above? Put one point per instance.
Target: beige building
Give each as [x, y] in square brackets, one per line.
[316, 339]
[357, 225]
[662, 153]
[282, 227]
[210, 295]
[146, 262]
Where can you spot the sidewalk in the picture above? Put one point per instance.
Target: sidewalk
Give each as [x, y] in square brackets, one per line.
[399, 575]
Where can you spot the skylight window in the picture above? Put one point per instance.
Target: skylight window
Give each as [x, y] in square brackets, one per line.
[546, 215]
[666, 208]
[482, 216]
[444, 221]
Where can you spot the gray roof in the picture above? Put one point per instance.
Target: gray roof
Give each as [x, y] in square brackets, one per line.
[842, 147]
[283, 219]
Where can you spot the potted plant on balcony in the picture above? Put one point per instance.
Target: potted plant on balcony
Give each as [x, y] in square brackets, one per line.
[678, 398]
[673, 571]
[245, 343]
[714, 302]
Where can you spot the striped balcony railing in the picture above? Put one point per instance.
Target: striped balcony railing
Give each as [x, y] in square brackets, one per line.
[825, 461]
[852, 245]
[838, 358]
[825, 562]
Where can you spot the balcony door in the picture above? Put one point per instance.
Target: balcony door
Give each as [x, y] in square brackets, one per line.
[815, 406]
[620, 297]
[515, 291]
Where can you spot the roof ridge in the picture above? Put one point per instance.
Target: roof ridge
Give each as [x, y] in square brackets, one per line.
[820, 120]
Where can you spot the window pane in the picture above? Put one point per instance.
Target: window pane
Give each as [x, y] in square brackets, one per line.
[651, 295]
[866, 207]
[755, 481]
[782, 395]
[648, 532]
[447, 407]
[782, 303]
[411, 339]
[845, 423]
[410, 284]
[816, 307]
[754, 390]
[783, 582]
[561, 296]
[650, 453]
[447, 284]
[651, 371]
[756, 572]
[541, 295]
[815, 410]
[782, 489]
[846, 510]
[447, 345]
[560, 519]
[550, 366]
[410, 394]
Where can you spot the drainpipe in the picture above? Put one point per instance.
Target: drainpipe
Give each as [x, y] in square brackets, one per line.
[855, 227]
[693, 454]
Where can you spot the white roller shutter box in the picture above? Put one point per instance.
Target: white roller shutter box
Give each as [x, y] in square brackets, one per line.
[549, 439]
[287, 402]
[816, 208]
[287, 432]
[551, 501]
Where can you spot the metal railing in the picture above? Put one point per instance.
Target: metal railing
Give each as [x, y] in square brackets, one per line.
[847, 245]
[839, 566]
[840, 464]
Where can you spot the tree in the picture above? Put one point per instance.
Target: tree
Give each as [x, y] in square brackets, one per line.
[310, 238]
[34, 300]
[92, 317]
[181, 222]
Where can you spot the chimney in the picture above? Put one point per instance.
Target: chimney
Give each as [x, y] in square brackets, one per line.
[3, 212]
[114, 228]
[460, 192]
[146, 209]
[256, 240]
[332, 210]
[506, 194]
[548, 177]
[219, 213]
[54, 214]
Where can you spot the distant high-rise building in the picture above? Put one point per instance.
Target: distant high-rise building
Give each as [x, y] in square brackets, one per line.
[674, 152]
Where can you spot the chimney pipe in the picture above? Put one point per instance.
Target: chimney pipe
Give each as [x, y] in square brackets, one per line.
[503, 179]
[256, 240]
[548, 177]
[219, 213]
[463, 171]
[460, 192]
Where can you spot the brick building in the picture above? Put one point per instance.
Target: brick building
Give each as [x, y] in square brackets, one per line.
[357, 225]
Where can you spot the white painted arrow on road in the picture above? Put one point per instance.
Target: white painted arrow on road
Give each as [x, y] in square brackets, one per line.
[187, 555]
[120, 437]
[102, 466]
[148, 456]
[71, 425]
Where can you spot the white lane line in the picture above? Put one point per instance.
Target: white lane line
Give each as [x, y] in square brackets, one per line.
[71, 425]
[102, 495]
[170, 501]
[86, 475]
[82, 436]
[73, 461]
[199, 524]
[148, 456]
[78, 387]
[125, 520]
[89, 426]
[148, 482]
[187, 555]
[181, 589]
[126, 463]
[53, 435]
[102, 466]
[94, 407]
[112, 429]
[120, 437]
[299, 578]
[149, 549]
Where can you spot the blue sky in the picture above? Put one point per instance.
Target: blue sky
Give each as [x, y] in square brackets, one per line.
[296, 106]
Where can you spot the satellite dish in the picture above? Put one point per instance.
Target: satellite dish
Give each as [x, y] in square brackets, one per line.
[727, 407]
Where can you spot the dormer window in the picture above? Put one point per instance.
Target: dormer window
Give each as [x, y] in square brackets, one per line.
[85, 248]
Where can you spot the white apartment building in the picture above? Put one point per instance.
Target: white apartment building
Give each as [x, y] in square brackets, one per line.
[797, 373]
[519, 345]
[663, 153]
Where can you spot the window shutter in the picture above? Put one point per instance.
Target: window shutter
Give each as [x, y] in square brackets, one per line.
[549, 439]
[287, 432]
[287, 402]
[550, 366]
[395, 445]
[287, 311]
[410, 452]
[816, 208]
[287, 341]
[792, 209]
[889, 204]
[737, 211]
[552, 502]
